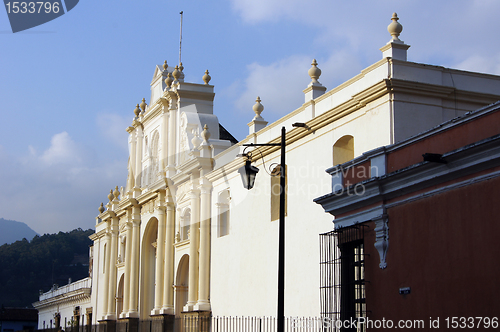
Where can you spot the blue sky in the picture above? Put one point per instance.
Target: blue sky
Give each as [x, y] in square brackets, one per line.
[68, 88]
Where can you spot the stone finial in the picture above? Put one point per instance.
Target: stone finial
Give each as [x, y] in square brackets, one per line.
[169, 80]
[314, 72]
[101, 208]
[395, 28]
[196, 139]
[116, 193]
[143, 104]
[137, 111]
[205, 134]
[258, 108]
[206, 77]
[165, 66]
[176, 73]
[181, 68]
[111, 196]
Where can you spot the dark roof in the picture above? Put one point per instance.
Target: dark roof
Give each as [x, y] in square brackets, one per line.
[224, 134]
[18, 314]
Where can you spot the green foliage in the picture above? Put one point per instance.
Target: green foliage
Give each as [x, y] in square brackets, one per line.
[28, 267]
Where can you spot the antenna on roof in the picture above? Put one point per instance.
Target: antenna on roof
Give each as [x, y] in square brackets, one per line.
[180, 40]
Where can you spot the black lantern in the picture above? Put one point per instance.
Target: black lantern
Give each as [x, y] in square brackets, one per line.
[248, 174]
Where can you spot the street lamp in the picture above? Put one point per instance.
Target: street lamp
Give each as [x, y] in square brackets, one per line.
[248, 174]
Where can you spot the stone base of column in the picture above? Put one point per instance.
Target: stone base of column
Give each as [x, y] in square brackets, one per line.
[188, 307]
[202, 306]
[167, 311]
[132, 314]
[164, 323]
[107, 325]
[127, 325]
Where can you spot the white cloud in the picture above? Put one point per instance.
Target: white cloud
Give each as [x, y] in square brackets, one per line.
[59, 189]
[277, 84]
[261, 10]
[280, 84]
[62, 150]
[481, 63]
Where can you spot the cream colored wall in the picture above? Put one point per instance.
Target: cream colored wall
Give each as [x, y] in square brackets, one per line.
[244, 263]
[98, 278]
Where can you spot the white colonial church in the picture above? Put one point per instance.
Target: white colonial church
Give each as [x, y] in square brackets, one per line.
[183, 237]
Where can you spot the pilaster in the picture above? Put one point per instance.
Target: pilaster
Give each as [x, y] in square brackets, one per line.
[128, 261]
[134, 268]
[172, 134]
[193, 251]
[138, 162]
[105, 286]
[203, 303]
[168, 291]
[160, 254]
[111, 312]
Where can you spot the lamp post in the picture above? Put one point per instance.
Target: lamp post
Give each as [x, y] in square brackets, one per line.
[248, 173]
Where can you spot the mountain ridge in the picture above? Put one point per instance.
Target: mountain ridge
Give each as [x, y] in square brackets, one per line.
[12, 231]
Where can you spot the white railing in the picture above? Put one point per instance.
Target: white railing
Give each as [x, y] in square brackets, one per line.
[77, 285]
[266, 324]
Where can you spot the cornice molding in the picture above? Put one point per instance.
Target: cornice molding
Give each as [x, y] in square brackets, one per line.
[462, 162]
[97, 235]
[450, 124]
[77, 296]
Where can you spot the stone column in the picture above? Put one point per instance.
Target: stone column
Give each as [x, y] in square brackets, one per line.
[132, 140]
[111, 313]
[168, 291]
[134, 266]
[138, 162]
[193, 251]
[160, 254]
[128, 262]
[105, 266]
[172, 130]
[164, 140]
[203, 303]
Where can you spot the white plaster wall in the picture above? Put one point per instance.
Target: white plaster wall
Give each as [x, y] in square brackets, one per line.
[244, 263]
[98, 281]
[46, 315]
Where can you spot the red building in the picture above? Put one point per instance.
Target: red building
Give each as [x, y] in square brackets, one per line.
[416, 224]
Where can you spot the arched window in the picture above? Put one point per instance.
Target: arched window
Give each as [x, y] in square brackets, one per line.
[223, 213]
[343, 150]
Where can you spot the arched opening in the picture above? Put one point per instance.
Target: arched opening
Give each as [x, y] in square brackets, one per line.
[119, 297]
[223, 213]
[343, 150]
[181, 285]
[148, 269]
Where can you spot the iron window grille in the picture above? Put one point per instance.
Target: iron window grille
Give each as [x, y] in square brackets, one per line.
[342, 273]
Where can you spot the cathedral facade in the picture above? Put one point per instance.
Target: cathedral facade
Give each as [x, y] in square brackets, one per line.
[183, 237]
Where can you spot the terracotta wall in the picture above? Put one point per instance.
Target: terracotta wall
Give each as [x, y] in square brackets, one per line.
[467, 133]
[356, 174]
[447, 249]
